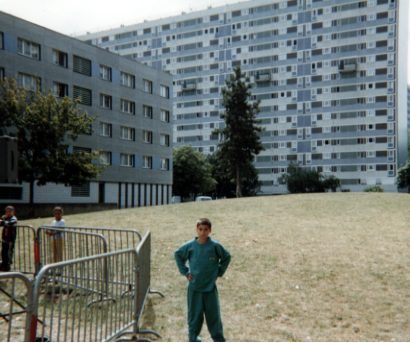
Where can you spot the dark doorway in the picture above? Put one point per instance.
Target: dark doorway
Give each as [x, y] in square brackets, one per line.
[101, 192]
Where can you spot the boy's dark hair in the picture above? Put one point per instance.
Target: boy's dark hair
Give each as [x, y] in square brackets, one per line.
[204, 221]
[9, 208]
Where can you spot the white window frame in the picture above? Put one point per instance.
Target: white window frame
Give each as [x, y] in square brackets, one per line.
[105, 101]
[164, 116]
[127, 133]
[56, 89]
[147, 86]
[164, 164]
[164, 139]
[105, 129]
[105, 157]
[127, 80]
[56, 58]
[147, 111]
[28, 82]
[105, 73]
[127, 106]
[147, 136]
[147, 162]
[164, 91]
[127, 160]
[28, 49]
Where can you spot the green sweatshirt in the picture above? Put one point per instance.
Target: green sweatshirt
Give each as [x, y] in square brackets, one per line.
[206, 261]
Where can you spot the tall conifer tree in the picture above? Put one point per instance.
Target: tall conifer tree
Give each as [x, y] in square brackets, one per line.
[241, 140]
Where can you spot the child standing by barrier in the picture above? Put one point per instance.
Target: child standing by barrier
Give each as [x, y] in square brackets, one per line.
[8, 238]
[57, 237]
[208, 260]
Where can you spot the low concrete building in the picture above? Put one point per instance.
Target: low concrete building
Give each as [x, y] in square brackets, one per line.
[134, 106]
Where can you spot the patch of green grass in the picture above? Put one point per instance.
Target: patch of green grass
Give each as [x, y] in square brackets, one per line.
[347, 252]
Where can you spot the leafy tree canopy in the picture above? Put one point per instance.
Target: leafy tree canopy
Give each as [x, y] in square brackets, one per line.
[192, 175]
[45, 127]
[226, 178]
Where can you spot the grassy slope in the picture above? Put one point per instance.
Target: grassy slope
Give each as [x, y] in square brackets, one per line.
[330, 267]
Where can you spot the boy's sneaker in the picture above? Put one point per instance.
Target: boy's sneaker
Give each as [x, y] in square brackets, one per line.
[198, 339]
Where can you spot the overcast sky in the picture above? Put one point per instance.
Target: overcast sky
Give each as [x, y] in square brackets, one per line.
[79, 16]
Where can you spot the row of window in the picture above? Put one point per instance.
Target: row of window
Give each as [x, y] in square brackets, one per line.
[128, 133]
[128, 160]
[336, 169]
[390, 155]
[226, 17]
[81, 65]
[33, 83]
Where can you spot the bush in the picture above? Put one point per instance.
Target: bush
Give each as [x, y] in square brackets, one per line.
[374, 189]
[302, 180]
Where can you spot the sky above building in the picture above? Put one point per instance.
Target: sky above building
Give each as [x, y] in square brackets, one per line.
[77, 17]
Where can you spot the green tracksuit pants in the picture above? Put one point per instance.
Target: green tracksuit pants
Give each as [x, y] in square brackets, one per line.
[208, 303]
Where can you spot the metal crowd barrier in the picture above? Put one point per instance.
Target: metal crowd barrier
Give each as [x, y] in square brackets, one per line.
[16, 301]
[117, 239]
[59, 244]
[82, 306]
[23, 260]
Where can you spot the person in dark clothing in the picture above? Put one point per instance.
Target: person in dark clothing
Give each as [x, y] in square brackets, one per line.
[8, 238]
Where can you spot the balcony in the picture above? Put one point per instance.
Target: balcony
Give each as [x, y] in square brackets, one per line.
[188, 86]
[262, 77]
[347, 67]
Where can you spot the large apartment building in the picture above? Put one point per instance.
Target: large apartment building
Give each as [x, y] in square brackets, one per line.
[331, 76]
[133, 130]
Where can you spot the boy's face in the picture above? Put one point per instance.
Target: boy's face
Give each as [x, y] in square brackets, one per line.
[57, 215]
[203, 231]
[9, 213]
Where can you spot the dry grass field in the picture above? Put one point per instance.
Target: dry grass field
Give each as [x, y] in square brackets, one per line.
[319, 267]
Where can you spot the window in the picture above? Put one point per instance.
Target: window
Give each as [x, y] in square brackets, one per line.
[127, 133]
[105, 157]
[164, 91]
[105, 101]
[60, 90]
[1, 74]
[127, 160]
[164, 163]
[147, 162]
[82, 93]
[165, 116]
[164, 139]
[28, 49]
[127, 106]
[127, 80]
[147, 111]
[105, 73]
[60, 58]
[81, 190]
[1, 41]
[81, 65]
[147, 136]
[105, 129]
[28, 82]
[147, 86]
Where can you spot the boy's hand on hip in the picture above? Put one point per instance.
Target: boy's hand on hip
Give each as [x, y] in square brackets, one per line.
[190, 277]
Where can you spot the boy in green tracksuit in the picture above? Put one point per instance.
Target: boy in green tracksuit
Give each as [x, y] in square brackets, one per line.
[208, 260]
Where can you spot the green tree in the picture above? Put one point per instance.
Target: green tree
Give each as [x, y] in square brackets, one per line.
[241, 134]
[403, 174]
[301, 180]
[44, 127]
[226, 178]
[192, 175]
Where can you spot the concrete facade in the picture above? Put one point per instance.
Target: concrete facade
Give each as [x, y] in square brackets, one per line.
[134, 124]
[331, 74]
